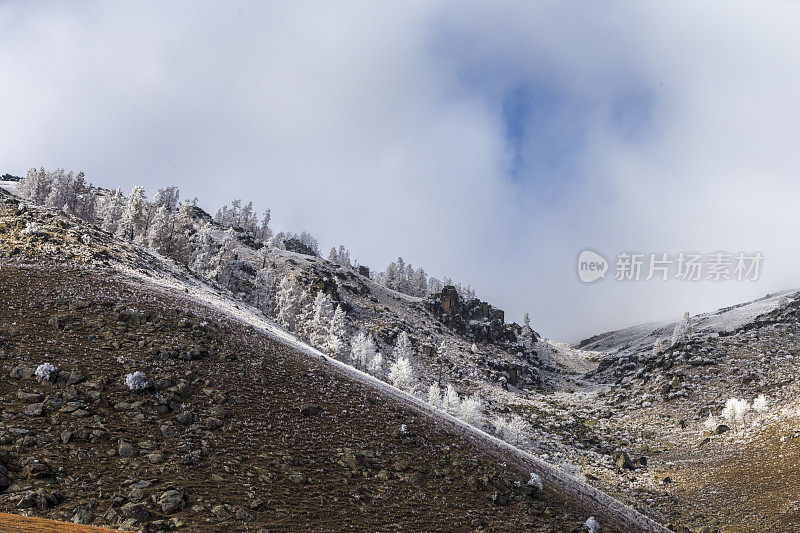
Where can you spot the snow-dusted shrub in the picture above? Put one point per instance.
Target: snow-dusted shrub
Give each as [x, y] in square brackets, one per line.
[735, 412]
[591, 525]
[535, 481]
[761, 404]
[45, 371]
[451, 402]
[711, 423]
[435, 395]
[32, 228]
[517, 428]
[572, 470]
[137, 381]
[511, 430]
[472, 411]
[658, 346]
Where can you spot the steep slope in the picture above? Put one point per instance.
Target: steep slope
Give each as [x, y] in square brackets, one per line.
[733, 475]
[240, 426]
[640, 337]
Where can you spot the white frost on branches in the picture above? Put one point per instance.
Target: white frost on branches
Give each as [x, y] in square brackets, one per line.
[137, 381]
[45, 371]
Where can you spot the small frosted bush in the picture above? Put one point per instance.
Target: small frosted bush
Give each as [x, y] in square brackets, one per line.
[761, 404]
[591, 525]
[137, 381]
[535, 481]
[46, 371]
[31, 228]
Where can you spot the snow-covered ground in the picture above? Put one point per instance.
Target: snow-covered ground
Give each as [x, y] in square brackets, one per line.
[10, 186]
[643, 336]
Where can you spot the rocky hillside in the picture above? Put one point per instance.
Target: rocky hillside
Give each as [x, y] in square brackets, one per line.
[232, 424]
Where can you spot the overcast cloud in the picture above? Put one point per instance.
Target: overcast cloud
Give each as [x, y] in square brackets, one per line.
[491, 142]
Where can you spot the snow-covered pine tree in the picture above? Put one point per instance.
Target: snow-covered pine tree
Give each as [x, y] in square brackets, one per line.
[421, 283]
[435, 395]
[471, 411]
[223, 262]
[337, 333]
[375, 365]
[264, 231]
[527, 332]
[287, 304]
[451, 402]
[266, 291]
[85, 199]
[159, 234]
[682, 330]
[517, 429]
[321, 320]
[401, 374]
[111, 211]
[363, 349]
[305, 317]
[402, 347]
[434, 286]
[658, 346]
[60, 195]
[133, 220]
[36, 186]
[167, 198]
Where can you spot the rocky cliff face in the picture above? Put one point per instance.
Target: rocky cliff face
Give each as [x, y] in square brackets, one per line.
[474, 319]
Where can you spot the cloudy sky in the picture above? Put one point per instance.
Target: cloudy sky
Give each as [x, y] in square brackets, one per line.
[488, 141]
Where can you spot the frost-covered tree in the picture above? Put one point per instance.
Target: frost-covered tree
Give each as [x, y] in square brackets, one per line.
[735, 412]
[658, 346]
[401, 374]
[222, 265]
[340, 256]
[471, 411]
[435, 395]
[321, 320]
[287, 304]
[435, 286]
[264, 231]
[61, 195]
[375, 365]
[761, 404]
[682, 330]
[337, 333]
[527, 332]
[402, 347]
[516, 430]
[159, 234]
[451, 402]
[204, 249]
[305, 317]
[133, 221]
[111, 211]
[167, 198]
[362, 350]
[421, 283]
[36, 186]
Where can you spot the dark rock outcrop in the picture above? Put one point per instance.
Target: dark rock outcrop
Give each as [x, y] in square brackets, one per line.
[474, 319]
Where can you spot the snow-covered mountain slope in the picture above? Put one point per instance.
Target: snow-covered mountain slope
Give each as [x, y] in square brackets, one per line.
[643, 336]
[79, 272]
